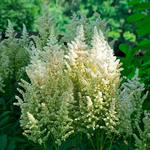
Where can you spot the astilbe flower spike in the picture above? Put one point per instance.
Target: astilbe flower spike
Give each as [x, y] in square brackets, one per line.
[95, 75]
[131, 99]
[46, 99]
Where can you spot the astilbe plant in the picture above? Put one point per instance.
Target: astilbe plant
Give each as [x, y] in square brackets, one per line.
[78, 92]
[95, 74]
[130, 104]
[45, 107]
[13, 57]
[143, 141]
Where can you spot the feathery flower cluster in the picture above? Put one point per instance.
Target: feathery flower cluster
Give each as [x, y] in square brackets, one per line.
[77, 92]
[131, 101]
[13, 56]
[143, 142]
[95, 75]
[45, 107]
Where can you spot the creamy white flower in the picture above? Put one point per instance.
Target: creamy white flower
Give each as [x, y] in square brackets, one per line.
[89, 103]
[77, 46]
[103, 54]
[37, 72]
[31, 118]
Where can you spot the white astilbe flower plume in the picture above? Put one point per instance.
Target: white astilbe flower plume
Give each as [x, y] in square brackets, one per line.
[46, 99]
[37, 72]
[95, 74]
[77, 46]
[103, 54]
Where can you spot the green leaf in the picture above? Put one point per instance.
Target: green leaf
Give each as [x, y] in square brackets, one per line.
[133, 2]
[129, 36]
[135, 17]
[124, 48]
[3, 141]
[114, 34]
[147, 64]
[143, 26]
[5, 114]
[11, 145]
[145, 44]
[143, 6]
[4, 121]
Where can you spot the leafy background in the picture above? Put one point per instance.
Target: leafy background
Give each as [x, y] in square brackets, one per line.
[124, 22]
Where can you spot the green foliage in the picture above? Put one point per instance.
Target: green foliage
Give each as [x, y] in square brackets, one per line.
[137, 53]
[19, 12]
[143, 143]
[113, 13]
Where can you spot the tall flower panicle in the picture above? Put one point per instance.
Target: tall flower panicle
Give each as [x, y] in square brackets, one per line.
[45, 114]
[102, 53]
[130, 104]
[95, 75]
[78, 46]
